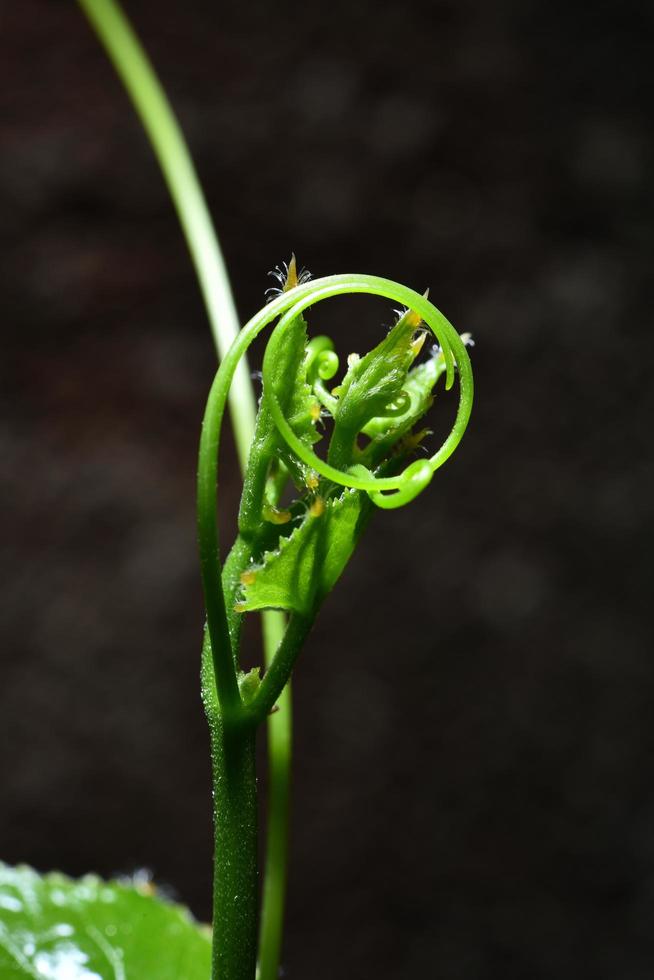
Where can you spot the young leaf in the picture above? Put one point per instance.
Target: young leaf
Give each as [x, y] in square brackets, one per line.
[386, 431]
[305, 567]
[301, 409]
[370, 385]
[53, 928]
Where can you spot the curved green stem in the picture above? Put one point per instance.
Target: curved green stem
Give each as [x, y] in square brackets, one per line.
[140, 80]
[149, 100]
[229, 697]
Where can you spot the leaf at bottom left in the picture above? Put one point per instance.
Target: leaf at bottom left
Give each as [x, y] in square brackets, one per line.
[56, 928]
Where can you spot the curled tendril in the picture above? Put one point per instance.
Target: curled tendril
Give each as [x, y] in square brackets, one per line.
[408, 484]
[386, 492]
[322, 363]
[287, 306]
[415, 478]
[322, 360]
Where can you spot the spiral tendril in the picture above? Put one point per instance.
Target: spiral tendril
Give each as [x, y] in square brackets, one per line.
[321, 360]
[408, 484]
[386, 492]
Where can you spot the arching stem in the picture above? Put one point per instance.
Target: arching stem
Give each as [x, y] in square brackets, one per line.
[140, 80]
[148, 97]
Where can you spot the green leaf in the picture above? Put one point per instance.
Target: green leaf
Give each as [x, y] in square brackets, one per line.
[261, 488]
[54, 928]
[370, 385]
[290, 381]
[306, 565]
[385, 431]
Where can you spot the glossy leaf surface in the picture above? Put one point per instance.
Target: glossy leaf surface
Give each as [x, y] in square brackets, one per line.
[305, 567]
[54, 928]
[384, 432]
[371, 383]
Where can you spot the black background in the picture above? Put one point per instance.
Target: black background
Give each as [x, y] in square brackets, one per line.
[474, 724]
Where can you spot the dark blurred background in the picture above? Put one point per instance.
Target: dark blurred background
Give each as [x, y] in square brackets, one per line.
[474, 729]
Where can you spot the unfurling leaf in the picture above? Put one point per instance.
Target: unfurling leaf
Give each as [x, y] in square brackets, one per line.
[269, 454]
[371, 384]
[305, 567]
[386, 431]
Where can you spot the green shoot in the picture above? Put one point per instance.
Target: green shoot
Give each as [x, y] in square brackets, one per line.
[289, 558]
[285, 559]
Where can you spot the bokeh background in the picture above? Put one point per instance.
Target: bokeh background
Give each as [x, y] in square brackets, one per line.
[474, 712]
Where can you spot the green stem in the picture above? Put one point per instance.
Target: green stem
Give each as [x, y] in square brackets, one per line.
[280, 740]
[139, 78]
[279, 671]
[233, 742]
[234, 950]
[149, 100]
[210, 566]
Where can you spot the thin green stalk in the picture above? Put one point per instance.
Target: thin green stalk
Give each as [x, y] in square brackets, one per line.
[280, 743]
[140, 80]
[149, 100]
[279, 670]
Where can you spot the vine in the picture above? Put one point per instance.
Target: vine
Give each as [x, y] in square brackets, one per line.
[285, 558]
[290, 558]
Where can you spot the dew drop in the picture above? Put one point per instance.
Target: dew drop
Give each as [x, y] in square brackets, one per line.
[10, 904]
